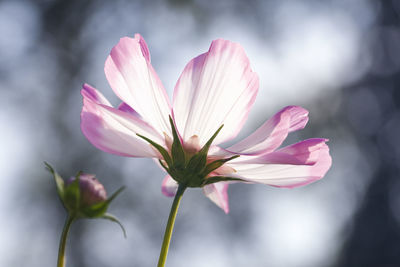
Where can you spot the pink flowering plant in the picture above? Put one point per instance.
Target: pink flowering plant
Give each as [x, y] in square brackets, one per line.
[210, 104]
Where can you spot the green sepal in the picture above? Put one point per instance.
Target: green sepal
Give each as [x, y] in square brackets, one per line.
[199, 160]
[177, 151]
[95, 210]
[58, 179]
[206, 147]
[163, 165]
[72, 195]
[188, 169]
[163, 152]
[112, 218]
[115, 194]
[99, 209]
[216, 179]
[216, 164]
[166, 168]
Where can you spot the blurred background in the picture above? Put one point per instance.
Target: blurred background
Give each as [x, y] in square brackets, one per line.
[339, 59]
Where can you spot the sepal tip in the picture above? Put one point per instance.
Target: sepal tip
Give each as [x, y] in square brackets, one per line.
[112, 218]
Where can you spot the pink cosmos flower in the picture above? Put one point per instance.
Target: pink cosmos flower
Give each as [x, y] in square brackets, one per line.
[215, 89]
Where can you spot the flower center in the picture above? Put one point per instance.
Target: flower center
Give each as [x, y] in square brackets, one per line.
[188, 163]
[192, 146]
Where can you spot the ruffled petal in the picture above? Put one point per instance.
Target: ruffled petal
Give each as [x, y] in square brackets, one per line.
[169, 186]
[273, 132]
[114, 131]
[292, 166]
[215, 88]
[133, 79]
[218, 193]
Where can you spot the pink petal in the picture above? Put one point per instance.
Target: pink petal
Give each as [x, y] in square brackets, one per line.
[305, 162]
[169, 186]
[302, 153]
[219, 152]
[126, 108]
[218, 193]
[91, 93]
[215, 88]
[114, 131]
[273, 132]
[133, 79]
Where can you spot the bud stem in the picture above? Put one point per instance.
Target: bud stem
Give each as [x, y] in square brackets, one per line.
[170, 225]
[63, 241]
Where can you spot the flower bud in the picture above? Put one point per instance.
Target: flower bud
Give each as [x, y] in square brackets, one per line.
[91, 190]
[83, 196]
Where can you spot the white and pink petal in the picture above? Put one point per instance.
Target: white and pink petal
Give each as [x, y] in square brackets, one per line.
[216, 88]
[115, 131]
[273, 132]
[126, 108]
[306, 152]
[293, 166]
[169, 186]
[89, 92]
[133, 79]
[218, 193]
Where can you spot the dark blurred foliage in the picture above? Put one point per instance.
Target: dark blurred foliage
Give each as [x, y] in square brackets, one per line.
[368, 115]
[375, 232]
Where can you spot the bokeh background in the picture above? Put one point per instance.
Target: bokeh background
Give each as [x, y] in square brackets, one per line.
[339, 59]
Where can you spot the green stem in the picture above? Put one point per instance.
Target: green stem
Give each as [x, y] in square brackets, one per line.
[170, 226]
[63, 241]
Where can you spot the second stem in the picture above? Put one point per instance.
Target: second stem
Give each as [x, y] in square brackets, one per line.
[63, 241]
